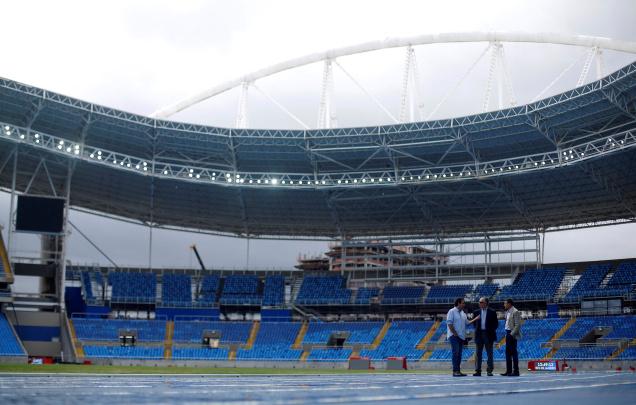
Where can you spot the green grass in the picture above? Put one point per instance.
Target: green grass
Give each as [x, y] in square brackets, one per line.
[94, 369]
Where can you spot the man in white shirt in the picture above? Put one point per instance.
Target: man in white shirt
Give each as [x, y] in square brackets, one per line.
[456, 322]
[513, 333]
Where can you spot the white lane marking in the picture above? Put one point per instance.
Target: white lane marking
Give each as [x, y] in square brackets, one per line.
[466, 394]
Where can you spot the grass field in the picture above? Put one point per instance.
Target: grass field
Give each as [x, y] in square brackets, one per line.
[93, 369]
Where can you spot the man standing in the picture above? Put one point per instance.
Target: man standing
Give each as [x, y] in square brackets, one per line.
[456, 322]
[485, 335]
[513, 333]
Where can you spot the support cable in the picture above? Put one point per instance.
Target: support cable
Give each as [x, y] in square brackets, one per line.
[375, 100]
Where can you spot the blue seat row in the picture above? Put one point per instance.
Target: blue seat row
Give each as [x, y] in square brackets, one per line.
[534, 285]
[403, 295]
[133, 287]
[445, 294]
[176, 290]
[192, 331]
[9, 344]
[359, 332]
[274, 291]
[320, 290]
[365, 294]
[108, 329]
[129, 352]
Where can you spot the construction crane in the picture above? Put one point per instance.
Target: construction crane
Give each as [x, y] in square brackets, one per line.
[198, 273]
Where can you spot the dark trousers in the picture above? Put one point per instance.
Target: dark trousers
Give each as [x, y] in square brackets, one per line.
[481, 343]
[456, 347]
[512, 357]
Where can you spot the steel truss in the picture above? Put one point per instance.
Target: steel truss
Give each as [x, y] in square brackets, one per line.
[467, 256]
[567, 154]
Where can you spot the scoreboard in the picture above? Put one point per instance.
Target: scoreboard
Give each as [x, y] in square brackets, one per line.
[543, 365]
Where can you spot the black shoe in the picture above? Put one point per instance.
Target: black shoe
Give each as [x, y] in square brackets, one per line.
[514, 374]
[505, 374]
[459, 374]
[477, 374]
[489, 374]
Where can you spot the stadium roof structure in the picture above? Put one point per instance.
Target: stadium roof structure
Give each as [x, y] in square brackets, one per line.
[565, 160]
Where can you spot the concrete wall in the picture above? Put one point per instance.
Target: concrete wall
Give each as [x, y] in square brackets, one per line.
[441, 366]
[52, 347]
[14, 360]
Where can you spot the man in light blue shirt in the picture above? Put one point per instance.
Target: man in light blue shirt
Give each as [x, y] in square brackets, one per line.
[456, 322]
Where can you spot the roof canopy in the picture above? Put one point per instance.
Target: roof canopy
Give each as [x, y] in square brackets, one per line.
[567, 159]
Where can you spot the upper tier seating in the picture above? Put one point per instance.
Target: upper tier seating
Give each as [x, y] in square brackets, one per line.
[484, 290]
[400, 340]
[176, 290]
[365, 294]
[209, 290]
[446, 294]
[274, 291]
[108, 329]
[534, 285]
[87, 286]
[9, 344]
[192, 331]
[623, 281]
[241, 289]
[133, 287]
[588, 283]
[320, 290]
[359, 332]
[402, 295]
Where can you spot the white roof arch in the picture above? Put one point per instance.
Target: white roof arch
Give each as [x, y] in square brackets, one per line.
[453, 37]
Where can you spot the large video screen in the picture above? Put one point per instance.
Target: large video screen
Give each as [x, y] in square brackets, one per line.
[40, 214]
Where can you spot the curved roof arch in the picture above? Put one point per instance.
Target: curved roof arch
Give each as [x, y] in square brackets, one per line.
[399, 42]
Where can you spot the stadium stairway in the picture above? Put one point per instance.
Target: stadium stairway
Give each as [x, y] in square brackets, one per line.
[422, 344]
[501, 342]
[167, 350]
[378, 339]
[427, 354]
[253, 333]
[79, 349]
[557, 335]
[301, 336]
[620, 350]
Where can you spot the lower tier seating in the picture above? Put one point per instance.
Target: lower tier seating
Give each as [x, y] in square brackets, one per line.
[129, 352]
[9, 344]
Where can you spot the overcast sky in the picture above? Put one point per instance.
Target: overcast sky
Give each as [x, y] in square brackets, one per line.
[140, 56]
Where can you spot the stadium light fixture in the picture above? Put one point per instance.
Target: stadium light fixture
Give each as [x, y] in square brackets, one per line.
[274, 181]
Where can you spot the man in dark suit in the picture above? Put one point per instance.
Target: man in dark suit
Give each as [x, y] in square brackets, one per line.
[485, 335]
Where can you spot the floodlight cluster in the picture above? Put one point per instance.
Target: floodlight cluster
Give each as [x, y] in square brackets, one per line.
[347, 179]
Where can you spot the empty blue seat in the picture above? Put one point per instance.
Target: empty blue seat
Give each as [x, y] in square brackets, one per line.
[133, 287]
[176, 290]
[9, 344]
[316, 290]
[393, 295]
